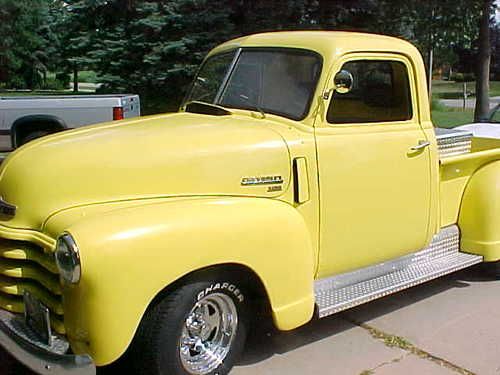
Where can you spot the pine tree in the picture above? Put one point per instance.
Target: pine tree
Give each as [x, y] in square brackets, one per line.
[22, 54]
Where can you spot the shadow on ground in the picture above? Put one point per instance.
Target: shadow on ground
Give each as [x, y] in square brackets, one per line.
[263, 344]
[264, 341]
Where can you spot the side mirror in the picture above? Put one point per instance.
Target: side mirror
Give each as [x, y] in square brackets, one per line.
[343, 82]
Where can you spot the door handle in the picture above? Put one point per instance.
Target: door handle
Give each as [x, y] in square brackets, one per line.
[421, 145]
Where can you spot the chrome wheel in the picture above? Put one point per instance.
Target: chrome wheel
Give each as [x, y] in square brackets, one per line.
[208, 333]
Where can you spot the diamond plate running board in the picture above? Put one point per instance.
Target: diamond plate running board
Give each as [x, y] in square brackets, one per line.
[347, 290]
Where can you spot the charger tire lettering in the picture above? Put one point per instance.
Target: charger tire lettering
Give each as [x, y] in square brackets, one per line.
[229, 287]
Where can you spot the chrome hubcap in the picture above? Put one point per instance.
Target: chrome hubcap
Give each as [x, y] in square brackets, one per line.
[208, 333]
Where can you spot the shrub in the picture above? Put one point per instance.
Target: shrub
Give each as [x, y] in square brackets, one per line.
[436, 105]
[53, 84]
[461, 77]
[64, 79]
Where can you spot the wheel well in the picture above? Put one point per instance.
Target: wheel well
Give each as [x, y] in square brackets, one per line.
[247, 277]
[26, 125]
[251, 282]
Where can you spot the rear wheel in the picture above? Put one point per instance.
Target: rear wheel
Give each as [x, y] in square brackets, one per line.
[199, 329]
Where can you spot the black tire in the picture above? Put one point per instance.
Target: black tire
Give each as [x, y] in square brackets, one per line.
[9, 366]
[156, 349]
[34, 135]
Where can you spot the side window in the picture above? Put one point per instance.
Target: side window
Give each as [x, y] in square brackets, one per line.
[380, 93]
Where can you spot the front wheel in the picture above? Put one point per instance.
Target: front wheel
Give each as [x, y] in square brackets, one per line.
[199, 329]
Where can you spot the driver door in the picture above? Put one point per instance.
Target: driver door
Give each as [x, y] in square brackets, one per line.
[374, 167]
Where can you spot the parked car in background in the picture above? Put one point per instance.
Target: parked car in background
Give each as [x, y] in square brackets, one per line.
[25, 118]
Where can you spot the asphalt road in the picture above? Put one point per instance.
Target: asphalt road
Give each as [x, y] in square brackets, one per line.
[447, 326]
[469, 103]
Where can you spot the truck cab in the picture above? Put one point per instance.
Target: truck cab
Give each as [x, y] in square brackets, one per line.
[302, 176]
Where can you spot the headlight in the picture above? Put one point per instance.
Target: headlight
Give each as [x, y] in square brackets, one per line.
[68, 259]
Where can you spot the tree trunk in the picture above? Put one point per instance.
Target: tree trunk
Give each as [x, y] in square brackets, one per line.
[483, 65]
[430, 54]
[429, 76]
[75, 78]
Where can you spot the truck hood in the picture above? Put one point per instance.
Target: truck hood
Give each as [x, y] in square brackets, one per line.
[174, 155]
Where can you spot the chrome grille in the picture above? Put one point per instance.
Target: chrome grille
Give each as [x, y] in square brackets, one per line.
[27, 267]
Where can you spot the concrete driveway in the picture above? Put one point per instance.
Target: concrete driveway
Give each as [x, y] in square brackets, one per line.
[447, 326]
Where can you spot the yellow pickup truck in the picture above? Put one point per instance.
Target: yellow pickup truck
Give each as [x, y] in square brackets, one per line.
[302, 176]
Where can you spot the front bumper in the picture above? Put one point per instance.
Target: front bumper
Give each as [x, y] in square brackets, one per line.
[16, 339]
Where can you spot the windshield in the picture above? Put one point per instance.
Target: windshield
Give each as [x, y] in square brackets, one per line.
[278, 81]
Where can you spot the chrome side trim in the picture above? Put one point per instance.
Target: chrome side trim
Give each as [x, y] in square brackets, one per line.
[16, 339]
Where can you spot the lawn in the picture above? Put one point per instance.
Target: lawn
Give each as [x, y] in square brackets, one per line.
[450, 119]
[454, 90]
[87, 76]
[84, 76]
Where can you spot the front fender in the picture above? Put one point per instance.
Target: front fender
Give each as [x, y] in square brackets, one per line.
[479, 218]
[129, 255]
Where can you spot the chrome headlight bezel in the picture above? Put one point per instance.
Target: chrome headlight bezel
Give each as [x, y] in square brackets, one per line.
[67, 256]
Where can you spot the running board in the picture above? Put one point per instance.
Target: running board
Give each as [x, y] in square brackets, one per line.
[347, 290]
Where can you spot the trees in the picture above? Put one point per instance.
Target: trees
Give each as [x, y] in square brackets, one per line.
[22, 45]
[153, 47]
[148, 47]
[483, 64]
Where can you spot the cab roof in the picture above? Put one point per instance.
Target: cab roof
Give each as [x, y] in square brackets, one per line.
[327, 43]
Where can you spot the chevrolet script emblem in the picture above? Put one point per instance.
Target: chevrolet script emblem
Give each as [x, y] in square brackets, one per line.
[6, 208]
[265, 180]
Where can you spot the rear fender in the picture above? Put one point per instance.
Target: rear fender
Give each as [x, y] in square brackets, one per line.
[479, 218]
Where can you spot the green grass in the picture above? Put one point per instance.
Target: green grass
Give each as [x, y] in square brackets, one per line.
[454, 90]
[87, 76]
[450, 119]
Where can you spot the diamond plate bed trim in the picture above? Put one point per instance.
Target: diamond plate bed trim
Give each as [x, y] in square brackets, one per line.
[452, 142]
[441, 257]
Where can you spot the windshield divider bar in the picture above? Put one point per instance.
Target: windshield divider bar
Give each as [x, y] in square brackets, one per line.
[222, 87]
